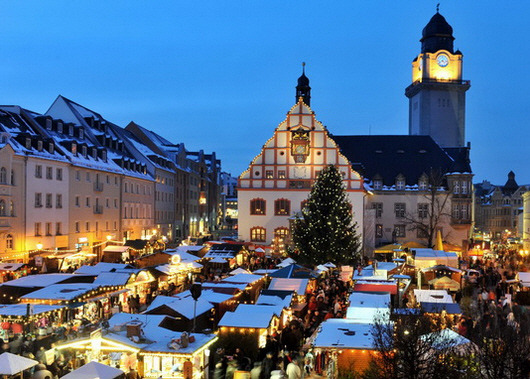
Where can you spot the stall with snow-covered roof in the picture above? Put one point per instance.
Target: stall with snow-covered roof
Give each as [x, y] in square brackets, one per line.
[365, 307]
[147, 343]
[184, 309]
[440, 277]
[116, 254]
[254, 284]
[251, 323]
[342, 345]
[10, 271]
[40, 319]
[235, 254]
[424, 258]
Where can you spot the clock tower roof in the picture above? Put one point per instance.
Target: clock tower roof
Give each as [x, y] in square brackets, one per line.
[302, 89]
[437, 35]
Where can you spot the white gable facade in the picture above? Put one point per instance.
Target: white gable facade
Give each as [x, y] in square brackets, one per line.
[279, 179]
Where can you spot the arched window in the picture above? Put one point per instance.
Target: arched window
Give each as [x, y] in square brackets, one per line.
[9, 241]
[258, 234]
[2, 208]
[257, 206]
[282, 207]
[281, 232]
[11, 209]
[3, 175]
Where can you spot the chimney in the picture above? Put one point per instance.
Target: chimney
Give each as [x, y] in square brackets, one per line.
[134, 329]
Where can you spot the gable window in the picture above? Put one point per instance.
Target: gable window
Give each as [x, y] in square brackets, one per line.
[378, 209]
[282, 207]
[422, 185]
[257, 234]
[378, 184]
[399, 209]
[269, 174]
[257, 206]
[281, 174]
[400, 182]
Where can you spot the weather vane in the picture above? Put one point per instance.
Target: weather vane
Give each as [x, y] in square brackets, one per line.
[437, 7]
[303, 67]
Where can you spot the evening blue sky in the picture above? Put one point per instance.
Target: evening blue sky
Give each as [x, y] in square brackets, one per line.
[220, 75]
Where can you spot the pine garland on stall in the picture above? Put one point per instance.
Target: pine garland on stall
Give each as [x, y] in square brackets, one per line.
[326, 231]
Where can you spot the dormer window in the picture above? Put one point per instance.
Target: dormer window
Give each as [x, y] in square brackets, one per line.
[71, 130]
[400, 182]
[81, 133]
[50, 148]
[59, 127]
[74, 148]
[94, 153]
[48, 124]
[423, 183]
[39, 145]
[28, 143]
[378, 182]
[104, 155]
[84, 151]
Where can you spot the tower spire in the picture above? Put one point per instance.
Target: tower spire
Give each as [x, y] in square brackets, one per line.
[302, 89]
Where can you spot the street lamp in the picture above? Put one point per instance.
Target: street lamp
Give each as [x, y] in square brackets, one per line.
[39, 246]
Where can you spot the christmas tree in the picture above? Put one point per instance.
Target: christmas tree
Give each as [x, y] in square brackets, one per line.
[326, 231]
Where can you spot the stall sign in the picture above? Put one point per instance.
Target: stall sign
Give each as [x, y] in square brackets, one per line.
[38, 261]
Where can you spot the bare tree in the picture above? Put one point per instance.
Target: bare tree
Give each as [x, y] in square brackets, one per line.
[436, 199]
[504, 347]
[413, 347]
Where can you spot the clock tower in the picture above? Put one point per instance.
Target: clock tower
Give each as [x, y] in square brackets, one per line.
[437, 95]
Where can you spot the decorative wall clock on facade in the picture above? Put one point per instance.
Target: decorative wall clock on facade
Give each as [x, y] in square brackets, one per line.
[300, 145]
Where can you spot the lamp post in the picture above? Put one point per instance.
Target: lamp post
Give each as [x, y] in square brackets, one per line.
[196, 290]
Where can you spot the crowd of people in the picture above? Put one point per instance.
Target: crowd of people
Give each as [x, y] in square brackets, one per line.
[287, 353]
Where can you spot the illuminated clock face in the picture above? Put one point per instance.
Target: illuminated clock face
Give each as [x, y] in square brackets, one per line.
[442, 60]
[300, 149]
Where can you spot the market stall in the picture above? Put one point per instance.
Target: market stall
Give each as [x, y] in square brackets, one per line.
[342, 345]
[95, 370]
[11, 364]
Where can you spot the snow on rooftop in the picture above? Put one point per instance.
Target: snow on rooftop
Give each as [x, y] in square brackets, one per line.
[251, 316]
[183, 305]
[338, 333]
[63, 292]
[39, 280]
[113, 278]
[100, 267]
[22, 309]
[432, 296]
[242, 278]
[285, 284]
